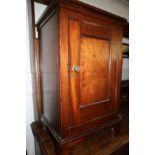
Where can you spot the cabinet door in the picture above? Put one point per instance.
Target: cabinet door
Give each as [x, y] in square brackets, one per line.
[92, 72]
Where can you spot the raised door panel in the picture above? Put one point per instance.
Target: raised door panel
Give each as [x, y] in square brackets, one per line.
[90, 62]
[94, 70]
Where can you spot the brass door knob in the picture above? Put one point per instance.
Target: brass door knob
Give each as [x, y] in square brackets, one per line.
[76, 69]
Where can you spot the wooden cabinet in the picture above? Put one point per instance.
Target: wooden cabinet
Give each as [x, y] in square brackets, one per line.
[80, 69]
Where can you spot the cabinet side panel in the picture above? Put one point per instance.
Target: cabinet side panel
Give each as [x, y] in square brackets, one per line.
[48, 34]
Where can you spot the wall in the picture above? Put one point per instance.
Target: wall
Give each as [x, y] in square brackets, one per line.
[125, 69]
[29, 98]
[39, 9]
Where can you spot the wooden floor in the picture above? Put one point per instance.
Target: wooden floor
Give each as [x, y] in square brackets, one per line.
[100, 143]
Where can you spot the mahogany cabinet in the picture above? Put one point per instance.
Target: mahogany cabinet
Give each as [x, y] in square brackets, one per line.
[80, 70]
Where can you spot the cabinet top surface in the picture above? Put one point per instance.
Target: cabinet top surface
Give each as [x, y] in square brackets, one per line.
[77, 6]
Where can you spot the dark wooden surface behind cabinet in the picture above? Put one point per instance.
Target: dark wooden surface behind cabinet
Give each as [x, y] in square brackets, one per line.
[126, 30]
[124, 97]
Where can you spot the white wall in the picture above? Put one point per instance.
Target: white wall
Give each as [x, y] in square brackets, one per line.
[125, 64]
[39, 9]
[29, 99]
[125, 69]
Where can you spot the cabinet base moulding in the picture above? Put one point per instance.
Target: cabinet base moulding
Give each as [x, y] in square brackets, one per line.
[65, 146]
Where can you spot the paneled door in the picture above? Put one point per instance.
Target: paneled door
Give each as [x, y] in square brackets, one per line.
[92, 72]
